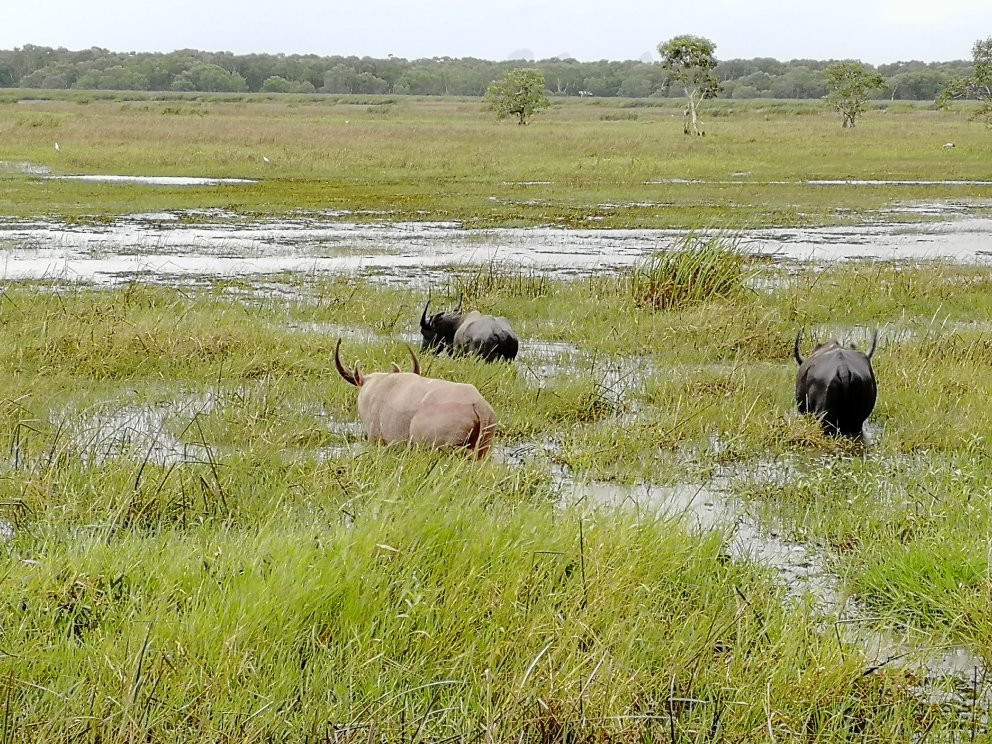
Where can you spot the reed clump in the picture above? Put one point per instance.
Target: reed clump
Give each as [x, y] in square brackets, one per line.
[696, 269]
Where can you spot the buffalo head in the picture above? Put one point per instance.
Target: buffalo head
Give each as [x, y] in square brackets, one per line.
[438, 330]
[355, 377]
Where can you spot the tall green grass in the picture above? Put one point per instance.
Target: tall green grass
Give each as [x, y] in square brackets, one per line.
[695, 269]
[294, 582]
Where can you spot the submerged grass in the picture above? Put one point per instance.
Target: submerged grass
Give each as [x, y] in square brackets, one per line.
[243, 566]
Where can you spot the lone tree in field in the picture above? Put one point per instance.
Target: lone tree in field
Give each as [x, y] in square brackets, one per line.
[850, 85]
[978, 85]
[520, 93]
[688, 61]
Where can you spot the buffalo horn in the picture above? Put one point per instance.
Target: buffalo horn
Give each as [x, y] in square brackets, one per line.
[416, 362]
[423, 318]
[352, 378]
[874, 343]
[795, 348]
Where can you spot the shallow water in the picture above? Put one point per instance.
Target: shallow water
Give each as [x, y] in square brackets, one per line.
[950, 676]
[152, 180]
[164, 248]
[109, 431]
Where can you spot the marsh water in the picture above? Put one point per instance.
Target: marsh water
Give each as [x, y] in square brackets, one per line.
[184, 247]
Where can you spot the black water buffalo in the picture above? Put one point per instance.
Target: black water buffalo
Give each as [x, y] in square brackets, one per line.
[837, 385]
[487, 336]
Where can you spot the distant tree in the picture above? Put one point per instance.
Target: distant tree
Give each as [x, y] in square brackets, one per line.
[339, 79]
[917, 85]
[799, 82]
[850, 85]
[977, 85]
[521, 93]
[206, 76]
[419, 81]
[598, 85]
[366, 82]
[53, 76]
[276, 84]
[112, 78]
[636, 86]
[745, 91]
[688, 61]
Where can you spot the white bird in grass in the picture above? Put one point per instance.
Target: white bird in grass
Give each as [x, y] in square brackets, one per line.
[57, 148]
[949, 144]
[265, 159]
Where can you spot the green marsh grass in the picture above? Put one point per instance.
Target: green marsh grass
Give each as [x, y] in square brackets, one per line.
[291, 581]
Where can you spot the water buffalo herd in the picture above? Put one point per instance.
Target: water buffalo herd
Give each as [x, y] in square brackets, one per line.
[835, 383]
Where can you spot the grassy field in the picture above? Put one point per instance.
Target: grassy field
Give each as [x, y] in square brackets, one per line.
[205, 549]
[622, 163]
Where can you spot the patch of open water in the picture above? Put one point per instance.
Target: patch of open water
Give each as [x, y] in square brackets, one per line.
[23, 166]
[152, 248]
[151, 180]
[110, 431]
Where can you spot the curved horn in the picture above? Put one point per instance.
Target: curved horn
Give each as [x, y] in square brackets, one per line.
[352, 378]
[423, 318]
[416, 362]
[795, 349]
[461, 299]
[874, 343]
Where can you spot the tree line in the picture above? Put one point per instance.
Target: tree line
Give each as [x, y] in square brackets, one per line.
[192, 70]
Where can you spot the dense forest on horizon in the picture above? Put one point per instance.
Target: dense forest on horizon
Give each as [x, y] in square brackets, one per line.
[192, 70]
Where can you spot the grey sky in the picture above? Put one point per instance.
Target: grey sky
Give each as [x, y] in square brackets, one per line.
[870, 30]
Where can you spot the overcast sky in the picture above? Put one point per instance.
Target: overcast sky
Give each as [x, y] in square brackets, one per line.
[873, 31]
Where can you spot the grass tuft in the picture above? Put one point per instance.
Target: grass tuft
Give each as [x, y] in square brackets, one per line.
[497, 278]
[698, 269]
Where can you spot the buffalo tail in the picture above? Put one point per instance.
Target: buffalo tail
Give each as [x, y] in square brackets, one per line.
[481, 437]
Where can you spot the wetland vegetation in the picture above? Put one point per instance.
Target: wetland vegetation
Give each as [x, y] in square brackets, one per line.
[198, 545]
[203, 547]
